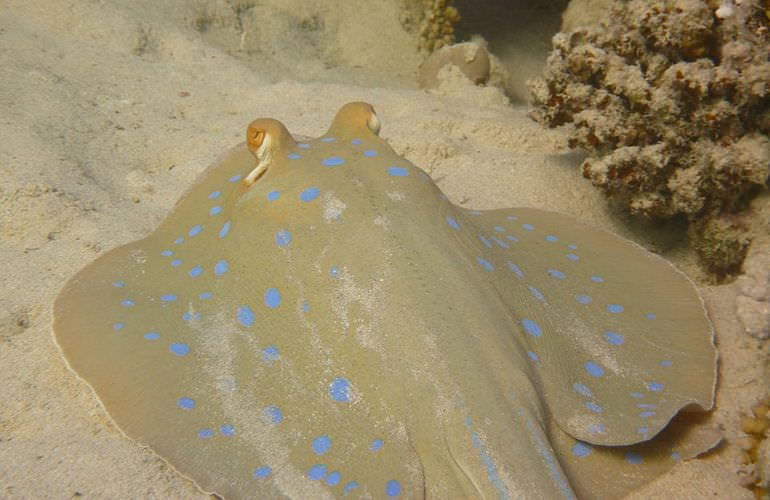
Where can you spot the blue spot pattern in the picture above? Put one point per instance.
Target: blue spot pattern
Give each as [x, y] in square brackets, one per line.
[245, 316]
[339, 390]
[272, 298]
[309, 194]
[262, 472]
[221, 267]
[316, 472]
[283, 238]
[321, 445]
[398, 171]
[333, 161]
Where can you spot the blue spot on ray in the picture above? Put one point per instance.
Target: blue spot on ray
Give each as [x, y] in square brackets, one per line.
[333, 161]
[328, 139]
[185, 403]
[316, 472]
[633, 458]
[225, 229]
[485, 241]
[581, 449]
[227, 430]
[152, 335]
[500, 242]
[339, 390]
[397, 171]
[119, 284]
[309, 194]
[272, 298]
[615, 308]
[582, 389]
[205, 433]
[283, 237]
[555, 273]
[195, 230]
[583, 299]
[215, 210]
[234, 178]
[176, 262]
[531, 327]
[294, 156]
[179, 349]
[376, 445]
[167, 253]
[655, 386]
[221, 267]
[273, 195]
[214, 195]
[270, 353]
[118, 326]
[127, 303]
[516, 269]
[393, 488]
[452, 222]
[356, 142]
[195, 271]
[613, 338]
[205, 296]
[274, 414]
[321, 445]
[593, 369]
[485, 264]
[333, 479]
[536, 293]
[572, 256]
[594, 407]
[262, 472]
[245, 316]
[370, 153]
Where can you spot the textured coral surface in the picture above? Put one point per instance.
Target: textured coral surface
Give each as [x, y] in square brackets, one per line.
[671, 100]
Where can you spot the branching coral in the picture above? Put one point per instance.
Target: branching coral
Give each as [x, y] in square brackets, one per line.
[671, 99]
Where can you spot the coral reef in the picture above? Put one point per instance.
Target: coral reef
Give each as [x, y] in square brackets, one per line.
[671, 100]
[433, 20]
[755, 470]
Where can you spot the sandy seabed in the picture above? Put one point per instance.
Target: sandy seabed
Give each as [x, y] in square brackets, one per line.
[111, 109]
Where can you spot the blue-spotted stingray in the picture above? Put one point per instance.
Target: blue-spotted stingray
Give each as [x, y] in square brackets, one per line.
[317, 320]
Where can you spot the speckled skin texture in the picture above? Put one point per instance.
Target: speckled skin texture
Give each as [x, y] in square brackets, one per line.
[336, 326]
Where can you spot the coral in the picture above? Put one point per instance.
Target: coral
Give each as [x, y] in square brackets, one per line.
[671, 100]
[434, 20]
[756, 449]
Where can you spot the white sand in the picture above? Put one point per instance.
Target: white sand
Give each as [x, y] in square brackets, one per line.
[108, 113]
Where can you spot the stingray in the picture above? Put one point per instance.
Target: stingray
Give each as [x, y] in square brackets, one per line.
[316, 319]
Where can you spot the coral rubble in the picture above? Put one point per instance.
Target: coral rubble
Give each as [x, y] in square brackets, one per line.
[671, 100]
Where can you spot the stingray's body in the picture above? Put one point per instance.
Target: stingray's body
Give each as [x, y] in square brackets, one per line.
[317, 320]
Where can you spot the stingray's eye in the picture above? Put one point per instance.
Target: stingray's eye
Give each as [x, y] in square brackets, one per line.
[255, 138]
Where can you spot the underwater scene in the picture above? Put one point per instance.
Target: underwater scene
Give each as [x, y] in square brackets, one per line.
[385, 249]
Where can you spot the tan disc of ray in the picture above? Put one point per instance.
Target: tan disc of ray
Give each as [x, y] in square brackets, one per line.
[315, 320]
